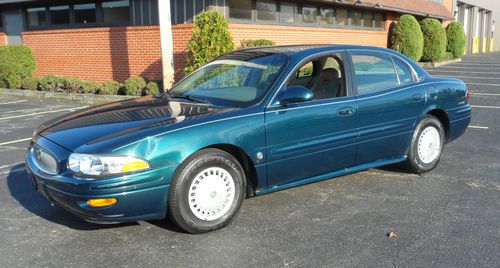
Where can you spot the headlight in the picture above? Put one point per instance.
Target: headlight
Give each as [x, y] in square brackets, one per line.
[101, 165]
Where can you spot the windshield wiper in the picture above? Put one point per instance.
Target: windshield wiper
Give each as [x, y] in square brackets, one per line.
[186, 97]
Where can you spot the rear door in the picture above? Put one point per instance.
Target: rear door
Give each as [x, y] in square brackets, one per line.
[389, 102]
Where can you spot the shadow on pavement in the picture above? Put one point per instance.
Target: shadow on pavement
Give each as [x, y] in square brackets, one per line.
[21, 189]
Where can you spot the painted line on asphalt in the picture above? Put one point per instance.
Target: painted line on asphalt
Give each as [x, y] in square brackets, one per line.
[485, 106]
[39, 113]
[19, 169]
[486, 94]
[467, 77]
[15, 141]
[446, 71]
[479, 127]
[482, 84]
[12, 102]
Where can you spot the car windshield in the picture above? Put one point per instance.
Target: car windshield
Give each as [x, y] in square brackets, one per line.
[237, 80]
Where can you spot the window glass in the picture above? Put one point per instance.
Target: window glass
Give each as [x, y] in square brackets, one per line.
[267, 11]
[36, 16]
[85, 13]
[378, 20]
[236, 80]
[240, 9]
[306, 70]
[59, 14]
[356, 18]
[309, 14]
[288, 12]
[341, 17]
[374, 72]
[116, 11]
[403, 71]
[367, 19]
[327, 16]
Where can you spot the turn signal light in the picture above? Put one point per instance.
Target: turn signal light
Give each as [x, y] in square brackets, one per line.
[467, 95]
[101, 202]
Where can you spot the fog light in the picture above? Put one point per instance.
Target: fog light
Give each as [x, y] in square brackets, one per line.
[101, 202]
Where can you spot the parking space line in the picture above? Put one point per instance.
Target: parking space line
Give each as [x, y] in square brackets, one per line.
[479, 127]
[449, 71]
[483, 84]
[486, 94]
[15, 141]
[467, 77]
[12, 102]
[46, 112]
[485, 106]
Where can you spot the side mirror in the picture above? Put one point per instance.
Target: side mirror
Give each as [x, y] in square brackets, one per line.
[295, 94]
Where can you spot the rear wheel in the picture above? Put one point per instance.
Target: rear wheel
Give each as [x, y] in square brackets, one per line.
[426, 146]
[207, 191]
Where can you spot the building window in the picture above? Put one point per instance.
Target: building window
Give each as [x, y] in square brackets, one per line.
[309, 14]
[116, 12]
[85, 13]
[342, 17]
[36, 16]
[356, 18]
[288, 12]
[367, 19]
[267, 11]
[378, 20]
[240, 9]
[327, 16]
[59, 14]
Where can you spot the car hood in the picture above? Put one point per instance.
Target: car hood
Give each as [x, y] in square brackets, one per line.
[117, 119]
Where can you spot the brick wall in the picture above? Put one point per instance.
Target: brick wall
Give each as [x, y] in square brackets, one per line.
[97, 54]
[181, 35]
[3, 39]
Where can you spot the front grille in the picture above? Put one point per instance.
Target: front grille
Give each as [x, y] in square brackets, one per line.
[44, 160]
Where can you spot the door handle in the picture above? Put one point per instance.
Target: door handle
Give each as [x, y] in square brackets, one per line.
[416, 97]
[346, 111]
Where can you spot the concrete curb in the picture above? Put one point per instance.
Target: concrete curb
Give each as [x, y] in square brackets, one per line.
[92, 99]
[438, 63]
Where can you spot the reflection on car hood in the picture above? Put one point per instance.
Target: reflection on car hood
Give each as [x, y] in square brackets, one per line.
[116, 119]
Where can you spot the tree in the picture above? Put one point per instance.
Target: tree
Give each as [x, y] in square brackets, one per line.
[407, 37]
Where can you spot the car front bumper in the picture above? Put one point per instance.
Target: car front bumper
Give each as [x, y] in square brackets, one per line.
[140, 196]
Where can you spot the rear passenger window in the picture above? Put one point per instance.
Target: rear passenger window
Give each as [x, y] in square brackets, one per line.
[403, 71]
[306, 70]
[374, 72]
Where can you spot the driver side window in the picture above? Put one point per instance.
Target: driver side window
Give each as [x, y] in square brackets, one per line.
[324, 76]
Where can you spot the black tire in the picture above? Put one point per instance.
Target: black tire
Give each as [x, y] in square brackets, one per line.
[414, 163]
[179, 209]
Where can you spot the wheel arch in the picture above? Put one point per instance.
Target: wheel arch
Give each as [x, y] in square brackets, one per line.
[245, 161]
[442, 116]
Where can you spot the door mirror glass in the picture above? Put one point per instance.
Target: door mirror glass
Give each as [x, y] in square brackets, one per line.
[295, 94]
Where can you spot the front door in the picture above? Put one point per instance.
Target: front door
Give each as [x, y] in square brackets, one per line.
[315, 137]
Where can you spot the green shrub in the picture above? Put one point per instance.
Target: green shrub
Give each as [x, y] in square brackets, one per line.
[16, 64]
[110, 88]
[245, 43]
[210, 39]
[53, 83]
[89, 87]
[134, 86]
[455, 35]
[152, 88]
[407, 37]
[29, 83]
[434, 40]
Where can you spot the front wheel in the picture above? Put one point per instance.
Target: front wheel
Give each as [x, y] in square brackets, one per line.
[207, 191]
[426, 146]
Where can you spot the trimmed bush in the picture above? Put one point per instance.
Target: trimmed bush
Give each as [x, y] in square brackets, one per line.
[16, 64]
[151, 89]
[109, 88]
[407, 37]
[245, 43]
[53, 83]
[434, 40]
[134, 86]
[210, 39]
[455, 34]
[29, 83]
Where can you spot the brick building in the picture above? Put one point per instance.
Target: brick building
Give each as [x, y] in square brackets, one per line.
[101, 40]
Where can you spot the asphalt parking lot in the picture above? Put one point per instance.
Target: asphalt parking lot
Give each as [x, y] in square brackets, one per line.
[449, 217]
